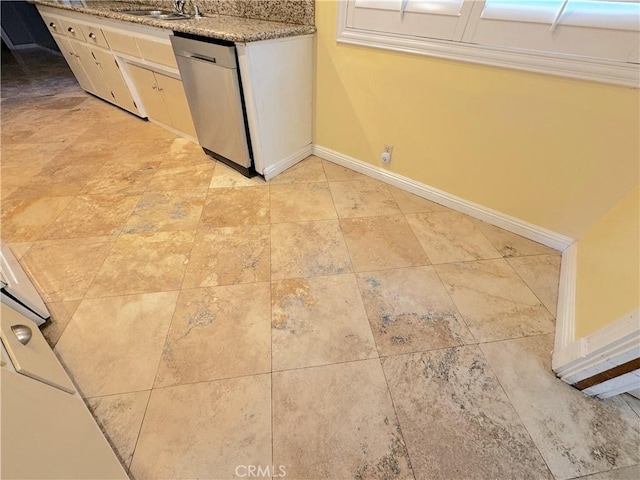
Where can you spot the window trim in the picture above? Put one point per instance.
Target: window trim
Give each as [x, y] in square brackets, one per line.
[606, 71]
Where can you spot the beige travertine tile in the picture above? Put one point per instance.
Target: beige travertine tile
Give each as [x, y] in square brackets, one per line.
[62, 103]
[633, 402]
[92, 215]
[363, 199]
[541, 273]
[450, 237]
[145, 262]
[410, 203]
[410, 310]
[185, 151]
[308, 170]
[83, 153]
[29, 155]
[61, 313]
[13, 178]
[205, 430]
[167, 211]
[146, 144]
[120, 418]
[64, 130]
[27, 120]
[19, 249]
[301, 202]
[624, 473]
[64, 271]
[338, 173]
[126, 178]
[227, 177]
[24, 219]
[576, 434]
[60, 180]
[377, 243]
[360, 439]
[308, 249]
[113, 345]
[495, 303]
[318, 321]
[7, 190]
[456, 420]
[228, 207]
[180, 175]
[512, 245]
[218, 332]
[231, 255]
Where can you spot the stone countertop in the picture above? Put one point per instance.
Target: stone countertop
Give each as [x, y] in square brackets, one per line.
[222, 27]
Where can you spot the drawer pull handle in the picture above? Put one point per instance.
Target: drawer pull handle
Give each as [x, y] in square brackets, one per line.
[92, 35]
[52, 25]
[22, 333]
[70, 29]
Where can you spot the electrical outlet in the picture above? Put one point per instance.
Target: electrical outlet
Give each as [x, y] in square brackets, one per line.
[386, 154]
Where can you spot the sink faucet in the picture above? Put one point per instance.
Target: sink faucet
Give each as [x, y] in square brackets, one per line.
[179, 5]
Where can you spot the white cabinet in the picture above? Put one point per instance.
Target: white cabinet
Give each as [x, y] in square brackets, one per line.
[47, 431]
[276, 76]
[110, 71]
[73, 59]
[95, 68]
[88, 61]
[163, 98]
[277, 81]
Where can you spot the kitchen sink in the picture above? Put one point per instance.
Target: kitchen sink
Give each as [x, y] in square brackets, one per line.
[159, 14]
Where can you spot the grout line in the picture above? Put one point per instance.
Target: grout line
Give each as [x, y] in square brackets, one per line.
[553, 314]
[513, 406]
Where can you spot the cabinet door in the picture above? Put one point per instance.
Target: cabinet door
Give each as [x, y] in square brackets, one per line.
[34, 359]
[176, 101]
[90, 65]
[145, 82]
[74, 63]
[47, 433]
[113, 77]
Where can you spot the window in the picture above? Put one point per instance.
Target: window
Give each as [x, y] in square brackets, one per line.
[592, 39]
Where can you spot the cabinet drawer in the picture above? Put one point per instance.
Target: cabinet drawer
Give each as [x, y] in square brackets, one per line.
[121, 42]
[94, 35]
[72, 29]
[157, 52]
[52, 23]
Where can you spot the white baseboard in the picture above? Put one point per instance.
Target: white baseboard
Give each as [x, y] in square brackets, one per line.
[494, 217]
[612, 345]
[615, 386]
[288, 162]
[565, 349]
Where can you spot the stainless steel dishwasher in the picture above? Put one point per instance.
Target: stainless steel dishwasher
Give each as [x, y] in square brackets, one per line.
[211, 82]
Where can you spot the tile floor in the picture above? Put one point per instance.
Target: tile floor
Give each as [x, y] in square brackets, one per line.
[323, 325]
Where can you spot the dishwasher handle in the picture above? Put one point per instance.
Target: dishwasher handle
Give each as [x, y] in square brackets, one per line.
[204, 58]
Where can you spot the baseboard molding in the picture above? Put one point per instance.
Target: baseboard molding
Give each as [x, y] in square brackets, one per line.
[288, 162]
[565, 349]
[612, 346]
[494, 217]
[616, 343]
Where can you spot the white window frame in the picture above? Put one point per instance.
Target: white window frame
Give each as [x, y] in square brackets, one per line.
[600, 70]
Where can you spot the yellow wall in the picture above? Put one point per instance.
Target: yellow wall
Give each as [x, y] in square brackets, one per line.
[608, 280]
[553, 151]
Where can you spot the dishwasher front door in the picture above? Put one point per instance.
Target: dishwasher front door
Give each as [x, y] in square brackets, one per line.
[210, 78]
